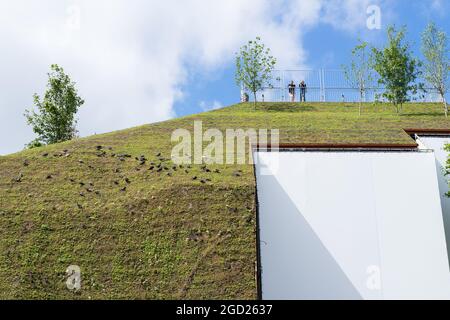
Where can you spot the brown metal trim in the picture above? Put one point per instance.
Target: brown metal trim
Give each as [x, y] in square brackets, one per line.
[412, 145]
[378, 146]
[427, 131]
[258, 266]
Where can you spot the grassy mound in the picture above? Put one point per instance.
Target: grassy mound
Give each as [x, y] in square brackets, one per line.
[139, 226]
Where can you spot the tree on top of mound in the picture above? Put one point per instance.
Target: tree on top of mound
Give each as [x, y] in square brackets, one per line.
[55, 119]
[254, 66]
[435, 48]
[397, 68]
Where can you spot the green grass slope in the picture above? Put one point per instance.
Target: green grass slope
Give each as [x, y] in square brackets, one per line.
[149, 234]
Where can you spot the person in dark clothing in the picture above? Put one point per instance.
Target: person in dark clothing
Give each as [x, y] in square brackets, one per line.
[302, 86]
[291, 88]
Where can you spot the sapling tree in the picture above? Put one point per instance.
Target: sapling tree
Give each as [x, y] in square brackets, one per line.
[437, 62]
[359, 72]
[398, 70]
[254, 66]
[55, 119]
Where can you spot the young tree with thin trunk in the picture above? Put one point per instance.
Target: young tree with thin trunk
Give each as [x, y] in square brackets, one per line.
[437, 62]
[55, 120]
[254, 66]
[359, 73]
[397, 68]
[447, 164]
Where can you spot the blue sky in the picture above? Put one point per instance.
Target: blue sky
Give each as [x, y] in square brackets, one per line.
[144, 61]
[326, 46]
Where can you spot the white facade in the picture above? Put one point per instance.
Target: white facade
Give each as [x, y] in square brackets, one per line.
[351, 225]
[437, 145]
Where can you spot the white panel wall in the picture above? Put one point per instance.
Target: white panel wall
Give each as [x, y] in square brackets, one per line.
[437, 145]
[350, 225]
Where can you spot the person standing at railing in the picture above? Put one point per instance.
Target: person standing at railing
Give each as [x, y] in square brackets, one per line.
[244, 96]
[302, 86]
[291, 88]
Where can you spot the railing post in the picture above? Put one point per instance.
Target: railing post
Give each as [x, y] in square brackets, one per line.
[320, 86]
[323, 86]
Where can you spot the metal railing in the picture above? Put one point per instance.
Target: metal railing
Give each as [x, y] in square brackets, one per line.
[329, 85]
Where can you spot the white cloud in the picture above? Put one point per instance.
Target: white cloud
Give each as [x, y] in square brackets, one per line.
[437, 4]
[437, 7]
[130, 58]
[352, 15]
[346, 14]
[207, 106]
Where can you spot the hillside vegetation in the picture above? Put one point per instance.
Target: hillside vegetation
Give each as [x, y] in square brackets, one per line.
[139, 226]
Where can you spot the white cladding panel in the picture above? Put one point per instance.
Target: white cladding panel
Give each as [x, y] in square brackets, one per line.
[437, 145]
[350, 225]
